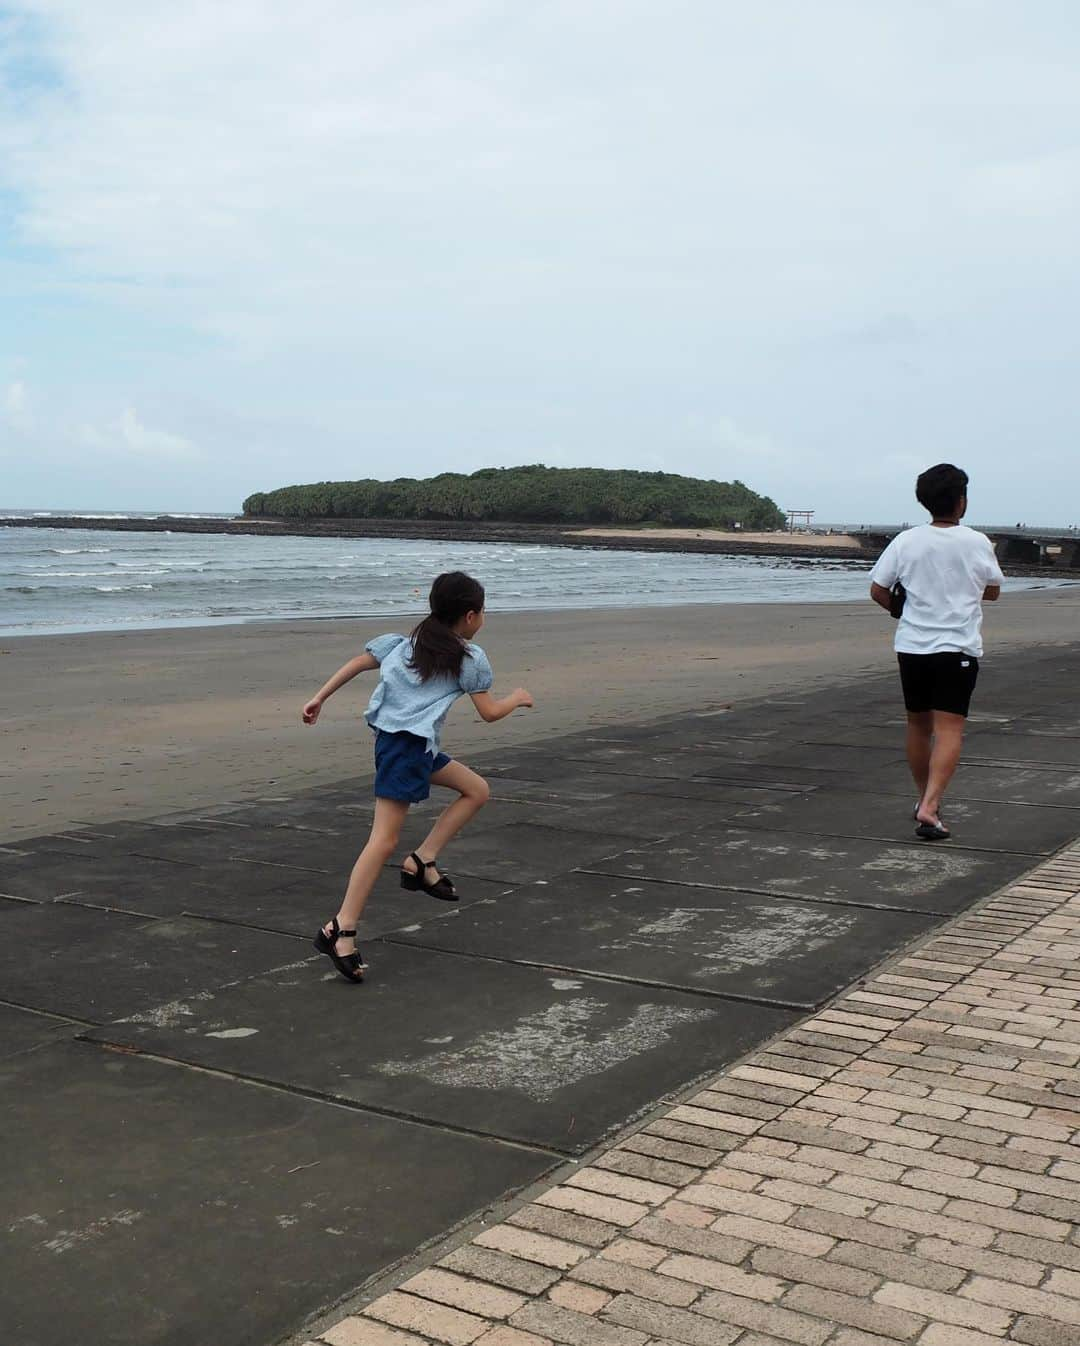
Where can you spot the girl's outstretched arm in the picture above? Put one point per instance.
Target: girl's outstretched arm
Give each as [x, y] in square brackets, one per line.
[491, 708]
[361, 664]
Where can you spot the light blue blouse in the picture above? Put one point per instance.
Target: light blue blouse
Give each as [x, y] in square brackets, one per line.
[402, 703]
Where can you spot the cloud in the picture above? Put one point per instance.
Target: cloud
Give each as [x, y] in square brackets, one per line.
[128, 433]
[17, 406]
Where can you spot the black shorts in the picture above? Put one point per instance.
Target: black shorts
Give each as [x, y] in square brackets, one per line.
[942, 681]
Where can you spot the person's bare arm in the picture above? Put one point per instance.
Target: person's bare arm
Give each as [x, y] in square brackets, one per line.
[363, 663]
[492, 708]
[881, 596]
[991, 593]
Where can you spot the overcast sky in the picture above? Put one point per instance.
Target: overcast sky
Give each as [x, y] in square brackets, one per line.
[813, 244]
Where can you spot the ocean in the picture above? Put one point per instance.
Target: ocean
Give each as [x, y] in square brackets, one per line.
[54, 580]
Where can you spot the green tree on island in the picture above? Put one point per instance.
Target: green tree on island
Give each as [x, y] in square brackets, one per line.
[534, 494]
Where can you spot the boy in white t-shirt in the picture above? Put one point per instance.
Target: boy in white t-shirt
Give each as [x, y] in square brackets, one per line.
[946, 570]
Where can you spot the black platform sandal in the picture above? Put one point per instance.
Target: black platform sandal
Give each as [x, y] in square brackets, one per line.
[442, 888]
[350, 965]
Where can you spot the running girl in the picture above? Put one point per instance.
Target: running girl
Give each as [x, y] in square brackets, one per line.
[420, 678]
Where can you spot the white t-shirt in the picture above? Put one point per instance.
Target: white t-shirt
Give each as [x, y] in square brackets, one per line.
[944, 571]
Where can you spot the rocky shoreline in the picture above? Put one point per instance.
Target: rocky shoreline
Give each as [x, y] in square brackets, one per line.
[547, 535]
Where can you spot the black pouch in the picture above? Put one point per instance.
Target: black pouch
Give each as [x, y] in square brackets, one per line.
[897, 595]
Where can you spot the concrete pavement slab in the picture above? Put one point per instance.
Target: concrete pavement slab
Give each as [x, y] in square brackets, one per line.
[146, 1205]
[527, 1055]
[742, 945]
[975, 823]
[868, 873]
[23, 1030]
[98, 965]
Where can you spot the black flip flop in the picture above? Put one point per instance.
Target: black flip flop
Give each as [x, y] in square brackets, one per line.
[932, 832]
[441, 888]
[350, 965]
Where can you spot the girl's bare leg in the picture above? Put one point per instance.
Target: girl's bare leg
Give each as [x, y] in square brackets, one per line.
[474, 793]
[381, 845]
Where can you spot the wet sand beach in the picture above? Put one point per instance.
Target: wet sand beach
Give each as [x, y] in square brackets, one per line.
[101, 726]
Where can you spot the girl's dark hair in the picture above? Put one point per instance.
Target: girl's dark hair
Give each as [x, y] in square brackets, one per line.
[437, 648]
[940, 489]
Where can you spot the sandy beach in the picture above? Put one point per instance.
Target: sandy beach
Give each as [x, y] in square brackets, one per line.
[126, 725]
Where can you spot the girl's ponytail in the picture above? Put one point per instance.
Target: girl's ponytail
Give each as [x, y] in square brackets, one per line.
[437, 648]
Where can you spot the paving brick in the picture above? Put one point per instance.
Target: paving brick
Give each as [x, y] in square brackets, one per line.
[710, 1119]
[855, 1311]
[821, 1271]
[1009, 1221]
[564, 1224]
[985, 1261]
[367, 1332]
[668, 1323]
[1052, 1207]
[636, 1165]
[549, 1252]
[948, 1334]
[739, 1203]
[757, 1166]
[872, 1163]
[947, 1184]
[851, 1336]
[804, 1239]
[943, 1308]
[820, 1136]
[729, 1174]
[896, 1135]
[679, 1152]
[736, 1105]
[896, 1266]
[933, 1128]
[574, 1329]
[694, 1135]
[784, 1079]
[718, 1245]
[768, 1093]
[1063, 1283]
[619, 1185]
[992, 1154]
[923, 1222]
[1022, 1299]
[447, 1287]
[802, 1194]
[872, 1191]
[608, 1208]
[427, 1319]
[1044, 1332]
[580, 1298]
[679, 1212]
[786, 1324]
[487, 1265]
[622, 1279]
[1048, 1251]
[511, 1336]
[861, 1231]
[632, 1252]
[699, 1271]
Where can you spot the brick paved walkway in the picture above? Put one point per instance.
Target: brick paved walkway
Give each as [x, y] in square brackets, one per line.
[902, 1167]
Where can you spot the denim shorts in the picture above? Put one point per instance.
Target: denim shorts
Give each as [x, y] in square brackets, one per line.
[404, 767]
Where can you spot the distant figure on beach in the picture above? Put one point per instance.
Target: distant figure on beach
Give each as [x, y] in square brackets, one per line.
[420, 678]
[935, 577]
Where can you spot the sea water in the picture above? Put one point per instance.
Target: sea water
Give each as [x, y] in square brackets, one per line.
[60, 580]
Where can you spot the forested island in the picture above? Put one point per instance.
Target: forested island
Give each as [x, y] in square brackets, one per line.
[530, 495]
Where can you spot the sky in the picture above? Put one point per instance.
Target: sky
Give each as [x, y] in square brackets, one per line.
[812, 246]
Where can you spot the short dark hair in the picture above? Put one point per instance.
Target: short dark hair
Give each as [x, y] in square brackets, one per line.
[940, 489]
